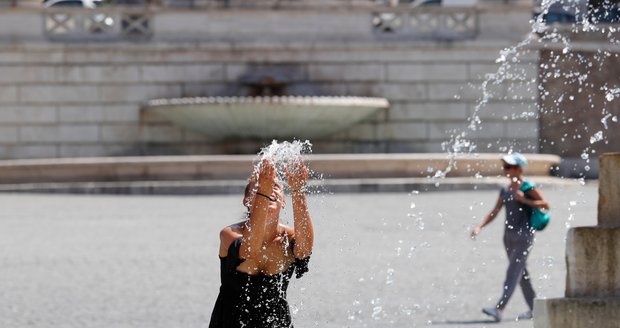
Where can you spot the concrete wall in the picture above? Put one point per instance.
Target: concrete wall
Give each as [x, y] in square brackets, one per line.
[85, 98]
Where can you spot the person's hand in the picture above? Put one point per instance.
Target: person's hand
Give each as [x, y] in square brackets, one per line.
[475, 231]
[266, 177]
[297, 175]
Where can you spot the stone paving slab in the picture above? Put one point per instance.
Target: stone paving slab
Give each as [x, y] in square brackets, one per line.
[381, 259]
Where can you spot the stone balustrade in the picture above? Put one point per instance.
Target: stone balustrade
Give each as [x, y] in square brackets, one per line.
[140, 23]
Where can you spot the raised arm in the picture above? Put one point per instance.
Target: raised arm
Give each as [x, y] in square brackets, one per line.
[297, 175]
[254, 235]
[488, 218]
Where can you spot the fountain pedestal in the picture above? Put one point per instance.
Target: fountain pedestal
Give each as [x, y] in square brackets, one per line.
[592, 296]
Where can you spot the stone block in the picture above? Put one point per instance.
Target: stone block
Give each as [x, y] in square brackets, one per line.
[135, 133]
[21, 74]
[609, 190]
[286, 73]
[444, 130]
[593, 262]
[413, 147]
[363, 131]
[206, 89]
[100, 74]
[8, 95]
[461, 91]
[324, 89]
[8, 134]
[58, 94]
[182, 73]
[577, 313]
[480, 71]
[361, 89]
[506, 110]
[432, 52]
[30, 151]
[137, 93]
[428, 111]
[59, 134]
[163, 133]
[401, 92]
[406, 131]
[426, 72]
[98, 114]
[191, 136]
[520, 130]
[120, 133]
[85, 150]
[93, 150]
[521, 91]
[346, 72]
[18, 24]
[28, 114]
[523, 71]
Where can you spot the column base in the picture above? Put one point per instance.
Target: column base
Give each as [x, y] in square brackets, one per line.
[577, 312]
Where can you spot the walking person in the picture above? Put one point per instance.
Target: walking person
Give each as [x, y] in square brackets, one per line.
[259, 255]
[518, 234]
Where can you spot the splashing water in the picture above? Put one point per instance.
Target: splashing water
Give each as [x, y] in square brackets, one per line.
[612, 94]
[596, 137]
[283, 154]
[543, 35]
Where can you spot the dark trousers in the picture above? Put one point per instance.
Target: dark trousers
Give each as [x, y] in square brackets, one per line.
[517, 273]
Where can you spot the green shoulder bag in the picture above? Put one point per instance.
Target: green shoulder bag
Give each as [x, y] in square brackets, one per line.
[539, 217]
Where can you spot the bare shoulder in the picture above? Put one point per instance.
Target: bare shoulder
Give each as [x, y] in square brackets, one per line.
[232, 231]
[228, 235]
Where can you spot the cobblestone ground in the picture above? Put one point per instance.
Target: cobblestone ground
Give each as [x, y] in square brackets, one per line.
[381, 260]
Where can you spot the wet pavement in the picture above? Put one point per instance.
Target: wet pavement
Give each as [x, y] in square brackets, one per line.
[380, 260]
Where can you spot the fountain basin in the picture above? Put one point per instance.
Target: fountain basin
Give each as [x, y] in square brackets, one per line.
[266, 117]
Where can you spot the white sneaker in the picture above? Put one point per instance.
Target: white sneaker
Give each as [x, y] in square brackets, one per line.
[493, 312]
[525, 316]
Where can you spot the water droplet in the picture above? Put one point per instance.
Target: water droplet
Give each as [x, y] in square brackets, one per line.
[596, 137]
[376, 312]
[572, 203]
[390, 277]
[412, 205]
[611, 94]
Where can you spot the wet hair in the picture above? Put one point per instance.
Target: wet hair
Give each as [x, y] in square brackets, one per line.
[250, 188]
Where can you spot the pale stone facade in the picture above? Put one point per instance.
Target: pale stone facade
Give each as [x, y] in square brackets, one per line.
[72, 99]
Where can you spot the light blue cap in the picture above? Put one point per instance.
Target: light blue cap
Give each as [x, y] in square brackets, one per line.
[515, 159]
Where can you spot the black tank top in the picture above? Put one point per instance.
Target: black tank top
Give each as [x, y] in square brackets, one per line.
[253, 301]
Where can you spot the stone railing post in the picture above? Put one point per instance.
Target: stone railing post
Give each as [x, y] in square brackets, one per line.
[592, 296]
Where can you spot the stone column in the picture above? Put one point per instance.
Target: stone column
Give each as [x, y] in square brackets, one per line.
[592, 296]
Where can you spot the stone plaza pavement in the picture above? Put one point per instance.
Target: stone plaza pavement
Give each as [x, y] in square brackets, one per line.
[380, 260]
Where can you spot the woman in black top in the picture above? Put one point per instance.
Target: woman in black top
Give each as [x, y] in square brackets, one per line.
[259, 255]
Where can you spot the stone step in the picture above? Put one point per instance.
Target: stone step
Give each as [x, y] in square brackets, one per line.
[235, 167]
[577, 312]
[593, 262]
